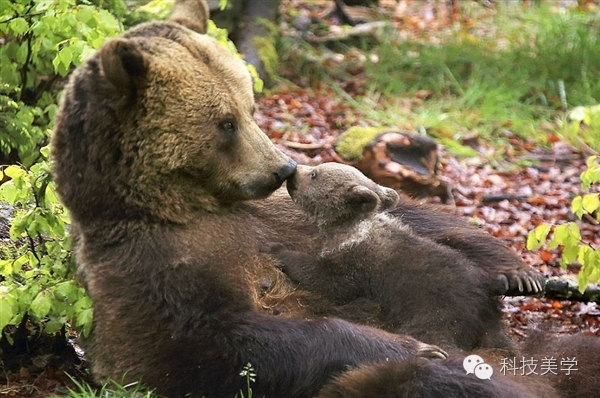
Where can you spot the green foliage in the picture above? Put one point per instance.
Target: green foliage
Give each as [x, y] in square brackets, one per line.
[582, 126]
[249, 374]
[223, 37]
[135, 390]
[42, 41]
[569, 236]
[37, 274]
[109, 389]
[539, 62]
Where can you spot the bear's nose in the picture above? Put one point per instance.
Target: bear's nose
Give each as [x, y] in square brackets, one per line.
[291, 185]
[286, 171]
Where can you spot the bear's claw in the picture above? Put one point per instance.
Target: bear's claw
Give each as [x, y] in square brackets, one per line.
[522, 283]
[431, 351]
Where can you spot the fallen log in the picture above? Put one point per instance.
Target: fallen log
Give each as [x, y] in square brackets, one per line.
[567, 289]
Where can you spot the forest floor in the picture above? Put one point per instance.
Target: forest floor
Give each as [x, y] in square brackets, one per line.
[508, 186]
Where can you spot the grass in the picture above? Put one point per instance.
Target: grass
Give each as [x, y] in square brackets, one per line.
[537, 63]
[517, 69]
[110, 389]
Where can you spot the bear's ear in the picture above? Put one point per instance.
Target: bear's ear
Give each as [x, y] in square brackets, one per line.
[362, 199]
[389, 198]
[193, 14]
[122, 63]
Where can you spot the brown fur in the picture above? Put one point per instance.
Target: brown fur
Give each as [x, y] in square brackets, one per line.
[581, 383]
[367, 253]
[420, 378]
[158, 159]
[168, 206]
[490, 254]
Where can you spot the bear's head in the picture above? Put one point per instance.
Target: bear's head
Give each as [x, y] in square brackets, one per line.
[159, 123]
[335, 194]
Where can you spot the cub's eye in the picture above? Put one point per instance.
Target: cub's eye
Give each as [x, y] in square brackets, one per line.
[228, 126]
[313, 174]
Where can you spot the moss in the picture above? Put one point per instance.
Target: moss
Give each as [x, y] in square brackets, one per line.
[351, 143]
[266, 47]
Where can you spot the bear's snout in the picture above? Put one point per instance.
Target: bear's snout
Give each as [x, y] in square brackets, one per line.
[286, 171]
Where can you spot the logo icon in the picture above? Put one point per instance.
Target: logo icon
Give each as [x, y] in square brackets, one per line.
[483, 371]
[474, 364]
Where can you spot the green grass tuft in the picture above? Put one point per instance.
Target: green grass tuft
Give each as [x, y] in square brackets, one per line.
[537, 64]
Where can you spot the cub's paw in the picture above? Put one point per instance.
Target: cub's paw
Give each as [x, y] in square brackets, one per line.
[431, 351]
[522, 282]
[271, 248]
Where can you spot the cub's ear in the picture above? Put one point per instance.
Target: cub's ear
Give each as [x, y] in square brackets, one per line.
[123, 64]
[389, 198]
[193, 14]
[362, 199]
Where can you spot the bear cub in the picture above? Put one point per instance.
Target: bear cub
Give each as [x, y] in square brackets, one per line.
[422, 288]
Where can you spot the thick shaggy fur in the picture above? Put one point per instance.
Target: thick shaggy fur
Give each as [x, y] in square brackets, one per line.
[584, 380]
[419, 378]
[166, 176]
[431, 379]
[368, 253]
[155, 152]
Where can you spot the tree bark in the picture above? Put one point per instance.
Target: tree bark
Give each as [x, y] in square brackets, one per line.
[564, 289]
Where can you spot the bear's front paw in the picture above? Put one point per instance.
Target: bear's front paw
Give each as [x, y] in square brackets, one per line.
[522, 282]
[271, 248]
[431, 351]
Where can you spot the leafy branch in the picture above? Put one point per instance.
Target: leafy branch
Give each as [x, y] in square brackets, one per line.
[568, 235]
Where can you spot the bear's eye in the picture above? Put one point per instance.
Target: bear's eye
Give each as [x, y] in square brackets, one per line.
[227, 126]
[313, 174]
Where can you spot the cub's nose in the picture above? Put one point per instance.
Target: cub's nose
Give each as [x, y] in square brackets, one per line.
[291, 184]
[285, 172]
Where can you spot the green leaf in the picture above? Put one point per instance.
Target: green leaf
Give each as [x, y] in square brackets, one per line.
[66, 290]
[18, 26]
[66, 55]
[8, 309]
[569, 255]
[541, 232]
[583, 256]
[15, 172]
[18, 263]
[8, 192]
[577, 206]
[83, 303]
[54, 325]
[86, 13]
[537, 237]
[41, 305]
[591, 202]
[532, 242]
[84, 319]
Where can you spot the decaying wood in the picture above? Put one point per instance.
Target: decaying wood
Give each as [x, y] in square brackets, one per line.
[302, 146]
[405, 162]
[566, 289]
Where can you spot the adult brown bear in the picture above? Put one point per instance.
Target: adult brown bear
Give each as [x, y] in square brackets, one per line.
[158, 159]
[155, 152]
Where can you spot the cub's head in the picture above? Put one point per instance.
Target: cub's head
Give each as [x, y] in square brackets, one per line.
[335, 194]
[160, 123]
